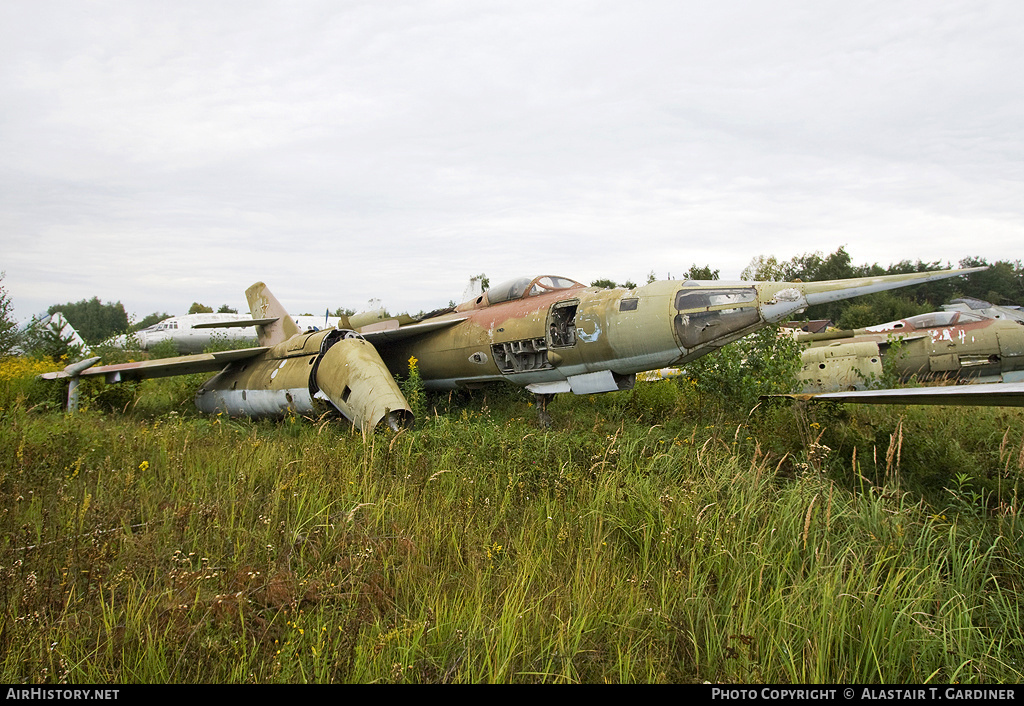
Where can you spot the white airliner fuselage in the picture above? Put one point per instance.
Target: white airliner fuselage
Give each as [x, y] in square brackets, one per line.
[194, 333]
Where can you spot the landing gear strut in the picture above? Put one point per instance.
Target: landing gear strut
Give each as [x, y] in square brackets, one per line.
[542, 410]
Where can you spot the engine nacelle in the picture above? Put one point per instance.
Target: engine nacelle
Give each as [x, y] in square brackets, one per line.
[350, 374]
[840, 367]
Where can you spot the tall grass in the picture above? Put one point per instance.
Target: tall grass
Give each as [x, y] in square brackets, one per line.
[651, 536]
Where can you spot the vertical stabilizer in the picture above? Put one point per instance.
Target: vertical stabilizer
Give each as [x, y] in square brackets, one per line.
[264, 305]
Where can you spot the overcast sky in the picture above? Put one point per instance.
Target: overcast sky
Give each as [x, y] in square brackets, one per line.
[160, 153]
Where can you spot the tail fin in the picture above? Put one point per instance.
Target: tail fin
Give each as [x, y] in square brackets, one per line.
[264, 305]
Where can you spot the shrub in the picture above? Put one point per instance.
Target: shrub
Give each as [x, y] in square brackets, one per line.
[763, 363]
[19, 383]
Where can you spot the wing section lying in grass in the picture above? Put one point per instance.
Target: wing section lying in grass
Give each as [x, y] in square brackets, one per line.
[996, 394]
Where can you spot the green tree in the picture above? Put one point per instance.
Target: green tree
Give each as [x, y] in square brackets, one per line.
[225, 309]
[763, 269]
[94, 320]
[763, 363]
[8, 327]
[813, 267]
[198, 308]
[606, 283]
[809, 267]
[701, 273]
[1001, 284]
[45, 338]
[879, 308]
[931, 295]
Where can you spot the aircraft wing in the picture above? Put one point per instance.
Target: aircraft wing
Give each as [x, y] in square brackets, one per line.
[164, 367]
[377, 334]
[995, 394]
[239, 323]
[387, 331]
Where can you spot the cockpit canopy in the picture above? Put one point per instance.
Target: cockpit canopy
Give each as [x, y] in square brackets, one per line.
[526, 287]
[943, 318]
[934, 319]
[520, 288]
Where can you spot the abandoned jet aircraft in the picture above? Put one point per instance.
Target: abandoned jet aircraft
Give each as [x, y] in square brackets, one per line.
[986, 309]
[943, 344]
[549, 334]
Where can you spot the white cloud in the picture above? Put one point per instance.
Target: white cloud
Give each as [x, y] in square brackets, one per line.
[160, 154]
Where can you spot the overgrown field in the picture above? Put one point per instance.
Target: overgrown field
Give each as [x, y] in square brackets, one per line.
[657, 535]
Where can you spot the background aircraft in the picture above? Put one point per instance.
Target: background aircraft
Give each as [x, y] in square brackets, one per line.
[549, 334]
[194, 333]
[986, 309]
[944, 344]
[52, 334]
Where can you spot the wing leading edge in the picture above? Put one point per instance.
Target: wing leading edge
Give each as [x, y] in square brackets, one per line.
[385, 332]
[214, 362]
[163, 367]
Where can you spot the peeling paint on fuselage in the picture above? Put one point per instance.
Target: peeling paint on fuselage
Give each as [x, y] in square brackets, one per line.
[606, 335]
[945, 344]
